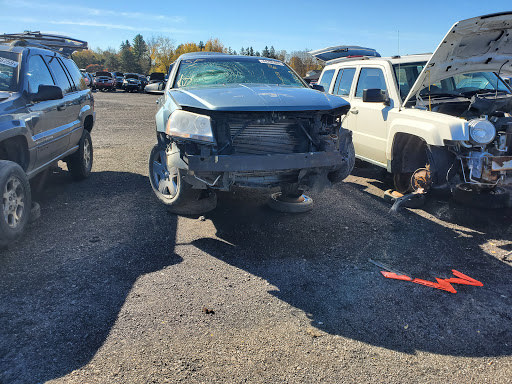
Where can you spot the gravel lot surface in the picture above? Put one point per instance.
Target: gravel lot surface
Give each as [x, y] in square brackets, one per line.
[107, 287]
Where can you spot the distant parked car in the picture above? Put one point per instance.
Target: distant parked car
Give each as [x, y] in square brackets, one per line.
[104, 81]
[131, 82]
[143, 82]
[88, 79]
[119, 76]
[156, 82]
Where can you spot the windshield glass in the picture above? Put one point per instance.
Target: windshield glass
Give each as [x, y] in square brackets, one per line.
[216, 71]
[131, 76]
[9, 69]
[466, 84]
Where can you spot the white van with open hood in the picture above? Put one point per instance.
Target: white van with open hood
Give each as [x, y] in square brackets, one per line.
[436, 120]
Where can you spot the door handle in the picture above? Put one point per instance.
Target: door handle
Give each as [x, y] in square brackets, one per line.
[354, 111]
[61, 107]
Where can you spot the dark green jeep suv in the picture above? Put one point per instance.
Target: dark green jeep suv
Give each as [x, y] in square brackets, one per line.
[46, 115]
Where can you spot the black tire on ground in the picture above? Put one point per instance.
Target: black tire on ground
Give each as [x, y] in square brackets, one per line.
[80, 162]
[35, 212]
[277, 204]
[170, 188]
[402, 182]
[16, 200]
[494, 198]
[347, 167]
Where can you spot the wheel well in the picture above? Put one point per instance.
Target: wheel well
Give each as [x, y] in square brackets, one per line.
[15, 149]
[88, 123]
[409, 153]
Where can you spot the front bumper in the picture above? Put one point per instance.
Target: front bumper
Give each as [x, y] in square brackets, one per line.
[264, 163]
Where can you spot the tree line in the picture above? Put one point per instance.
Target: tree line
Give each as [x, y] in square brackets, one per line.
[158, 52]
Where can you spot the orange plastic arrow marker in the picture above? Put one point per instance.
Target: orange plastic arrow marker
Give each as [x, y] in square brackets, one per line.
[391, 275]
[463, 279]
[441, 284]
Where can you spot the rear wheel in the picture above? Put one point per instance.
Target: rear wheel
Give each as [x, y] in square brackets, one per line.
[170, 188]
[16, 201]
[80, 163]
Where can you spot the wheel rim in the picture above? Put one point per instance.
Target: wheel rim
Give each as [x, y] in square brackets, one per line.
[165, 180]
[87, 154]
[14, 202]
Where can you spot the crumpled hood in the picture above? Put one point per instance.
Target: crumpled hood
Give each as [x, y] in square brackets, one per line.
[479, 44]
[256, 97]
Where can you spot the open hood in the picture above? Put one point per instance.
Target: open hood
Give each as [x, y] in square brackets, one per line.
[479, 44]
[331, 53]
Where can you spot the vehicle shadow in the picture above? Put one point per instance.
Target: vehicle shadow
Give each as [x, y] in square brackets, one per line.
[319, 263]
[63, 285]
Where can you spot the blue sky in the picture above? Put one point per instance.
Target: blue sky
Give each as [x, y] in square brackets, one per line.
[289, 25]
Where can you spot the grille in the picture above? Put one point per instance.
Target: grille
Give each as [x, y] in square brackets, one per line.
[260, 139]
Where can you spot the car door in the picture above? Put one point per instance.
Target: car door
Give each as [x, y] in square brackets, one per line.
[69, 111]
[368, 120]
[43, 114]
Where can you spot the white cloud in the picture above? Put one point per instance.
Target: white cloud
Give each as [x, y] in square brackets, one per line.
[77, 9]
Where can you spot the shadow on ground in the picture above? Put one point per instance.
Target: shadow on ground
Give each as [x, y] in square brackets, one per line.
[63, 285]
[319, 263]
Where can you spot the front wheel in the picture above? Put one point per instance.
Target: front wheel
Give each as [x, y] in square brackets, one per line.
[347, 166]
[80, 162]
[16, 201]
[170, 188]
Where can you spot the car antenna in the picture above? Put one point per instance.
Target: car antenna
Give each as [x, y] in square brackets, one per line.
[498, 80]
[398, 77]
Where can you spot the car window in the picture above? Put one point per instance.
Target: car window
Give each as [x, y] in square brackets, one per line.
[344, 81]
[204, 72]
[326, 79]
[370, 78]
[75, 74]
[406, 75]
[8, 71]
[38, 74]
[60, 76]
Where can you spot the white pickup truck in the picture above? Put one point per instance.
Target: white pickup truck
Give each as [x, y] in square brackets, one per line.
[435, 120]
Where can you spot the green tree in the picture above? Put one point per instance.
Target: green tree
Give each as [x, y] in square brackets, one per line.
[201, 45]
[128, 63]
[251, 51]
[265, 52]
[272, 53]
[140, 52]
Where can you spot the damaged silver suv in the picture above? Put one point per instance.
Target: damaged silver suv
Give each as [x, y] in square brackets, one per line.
[247, 121]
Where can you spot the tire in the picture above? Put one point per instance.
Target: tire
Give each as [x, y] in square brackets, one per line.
[170, 188]
[495, 198]
[277, 204]
[80, 162]
[16, 200]
[346, 168]
[402, 182]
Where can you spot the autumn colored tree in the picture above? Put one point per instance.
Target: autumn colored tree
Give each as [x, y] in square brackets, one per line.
[93, 68]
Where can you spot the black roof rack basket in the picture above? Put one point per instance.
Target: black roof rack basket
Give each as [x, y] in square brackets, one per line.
[62, 44]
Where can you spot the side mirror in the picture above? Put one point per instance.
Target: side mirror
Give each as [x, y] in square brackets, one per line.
[375, 95]
[161, 86]
[318, 87]
[47, 92]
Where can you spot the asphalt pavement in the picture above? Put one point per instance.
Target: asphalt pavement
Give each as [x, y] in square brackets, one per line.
[108, 287]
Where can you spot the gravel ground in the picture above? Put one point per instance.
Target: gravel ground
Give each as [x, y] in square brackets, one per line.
[107, 287]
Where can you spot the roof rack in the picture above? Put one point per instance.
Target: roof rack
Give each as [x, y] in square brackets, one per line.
[61, 44]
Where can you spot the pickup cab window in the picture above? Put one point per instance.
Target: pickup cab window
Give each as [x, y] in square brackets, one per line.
[326, 79]
[344, 81]
[370, 78]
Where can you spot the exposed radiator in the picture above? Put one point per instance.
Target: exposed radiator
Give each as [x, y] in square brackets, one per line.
[260, 139]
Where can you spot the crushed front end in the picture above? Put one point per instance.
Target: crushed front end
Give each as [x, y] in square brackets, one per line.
[221, 149]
